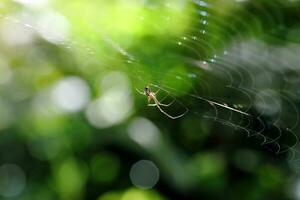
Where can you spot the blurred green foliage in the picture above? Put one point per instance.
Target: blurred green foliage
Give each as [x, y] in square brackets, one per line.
[70, 116]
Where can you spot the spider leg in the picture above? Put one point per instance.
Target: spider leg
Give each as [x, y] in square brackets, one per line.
[166, 105]
[164, 112]
[140, 92]
[164, 97]
[157, 91]
[162, 104]
[158, 102]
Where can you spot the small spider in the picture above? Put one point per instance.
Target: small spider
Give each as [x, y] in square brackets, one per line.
[152, 97]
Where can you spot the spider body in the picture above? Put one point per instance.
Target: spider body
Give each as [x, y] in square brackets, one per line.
[152, 97]
[147, 91]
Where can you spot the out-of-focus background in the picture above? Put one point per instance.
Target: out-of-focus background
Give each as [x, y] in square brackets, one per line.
[74, 123]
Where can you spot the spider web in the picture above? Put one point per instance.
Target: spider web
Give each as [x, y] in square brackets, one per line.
[248, 83]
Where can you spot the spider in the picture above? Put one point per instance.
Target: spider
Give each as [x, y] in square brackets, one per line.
[152, 97]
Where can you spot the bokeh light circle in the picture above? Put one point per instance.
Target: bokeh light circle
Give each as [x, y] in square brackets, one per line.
[12, 180]
[71, 94]
[144, 174]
